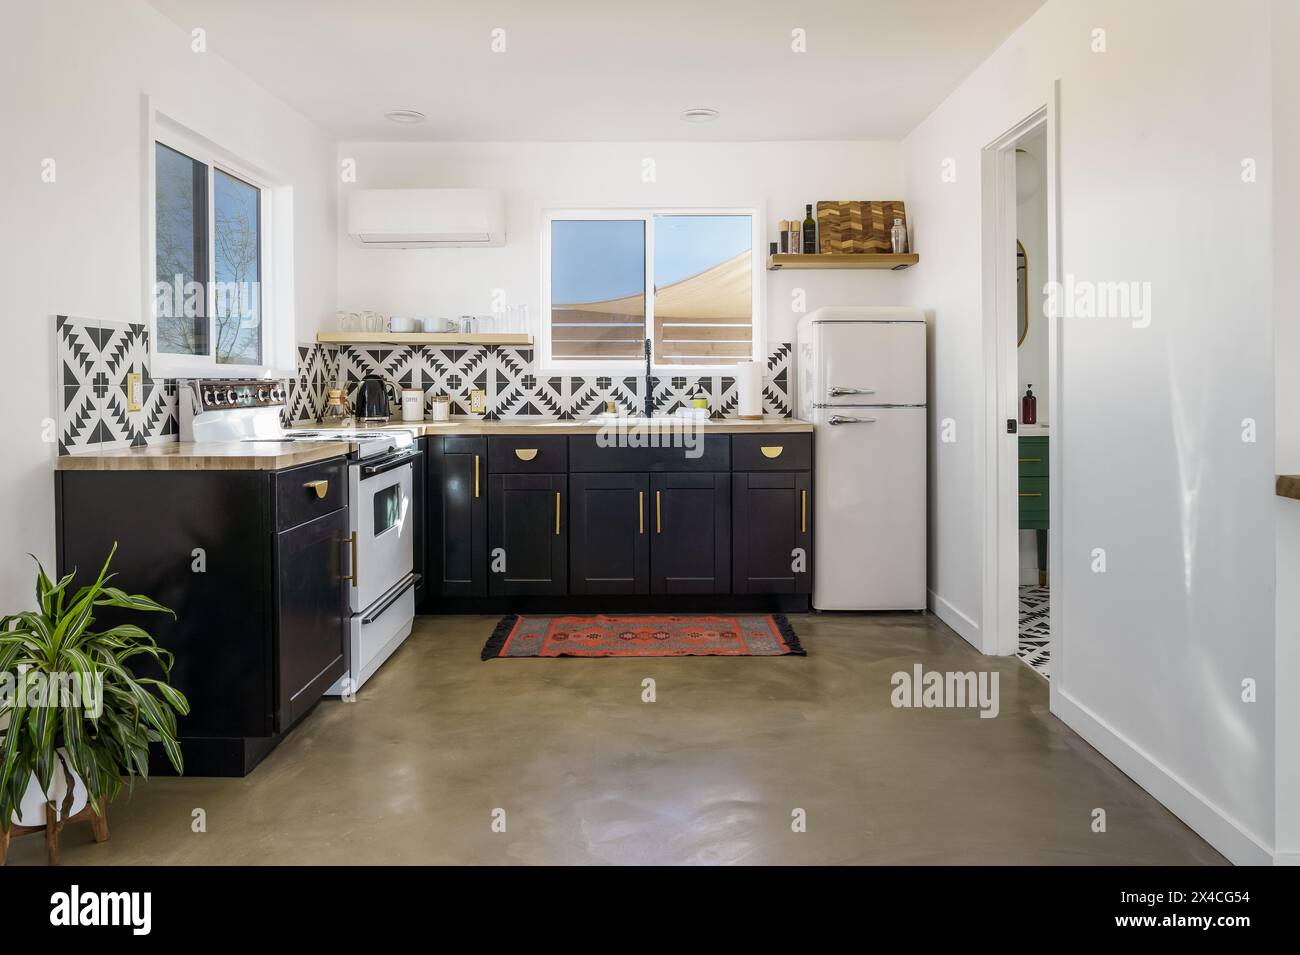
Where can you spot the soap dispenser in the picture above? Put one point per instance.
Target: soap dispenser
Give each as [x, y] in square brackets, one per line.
[1029, 407]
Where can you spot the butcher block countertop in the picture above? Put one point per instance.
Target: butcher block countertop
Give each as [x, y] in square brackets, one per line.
[769, 424]
[1288, 485]
[210, 456]
[275, 455]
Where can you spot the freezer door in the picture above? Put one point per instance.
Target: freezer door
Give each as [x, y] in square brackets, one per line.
[869, 363]
[870, 512]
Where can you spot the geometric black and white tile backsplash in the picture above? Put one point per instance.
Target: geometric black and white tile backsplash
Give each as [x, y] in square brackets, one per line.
[94, 358]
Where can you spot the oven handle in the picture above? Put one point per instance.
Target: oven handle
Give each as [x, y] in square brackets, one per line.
[375, 610]
[388, 464]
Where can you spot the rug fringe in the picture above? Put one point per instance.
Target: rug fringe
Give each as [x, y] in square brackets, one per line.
[497, 641]
[788, 635]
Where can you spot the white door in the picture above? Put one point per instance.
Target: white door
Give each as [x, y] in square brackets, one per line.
[870, 363]
[870, 509]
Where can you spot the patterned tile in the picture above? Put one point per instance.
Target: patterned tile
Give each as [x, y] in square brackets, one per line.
[1035, 641]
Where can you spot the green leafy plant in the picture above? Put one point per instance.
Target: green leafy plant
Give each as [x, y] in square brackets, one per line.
[101, 743]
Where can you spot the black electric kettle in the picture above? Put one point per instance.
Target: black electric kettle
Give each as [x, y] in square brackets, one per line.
[372, 398]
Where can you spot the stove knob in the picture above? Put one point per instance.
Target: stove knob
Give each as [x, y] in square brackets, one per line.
[263, 394]
[207, 396]
[277, 393]
[231, 395]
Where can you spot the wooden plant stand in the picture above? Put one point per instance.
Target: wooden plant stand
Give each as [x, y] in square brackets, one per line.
[52, 827]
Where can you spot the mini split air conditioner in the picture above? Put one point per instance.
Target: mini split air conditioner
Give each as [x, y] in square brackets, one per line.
[426, 218]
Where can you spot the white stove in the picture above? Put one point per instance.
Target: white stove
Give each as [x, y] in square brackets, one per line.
[381, 477]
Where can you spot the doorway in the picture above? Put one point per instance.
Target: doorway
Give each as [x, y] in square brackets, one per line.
[1022, 591]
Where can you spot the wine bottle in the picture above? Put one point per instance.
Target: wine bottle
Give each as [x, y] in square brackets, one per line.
[809, 231]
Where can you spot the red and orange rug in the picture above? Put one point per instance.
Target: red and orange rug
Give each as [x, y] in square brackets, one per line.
[741, 635]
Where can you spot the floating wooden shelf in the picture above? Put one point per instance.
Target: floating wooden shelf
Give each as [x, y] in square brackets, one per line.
[842, 260]
[421, 338]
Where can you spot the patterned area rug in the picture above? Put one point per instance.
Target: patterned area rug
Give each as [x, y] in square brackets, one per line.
[1035, 645]
[742, 635]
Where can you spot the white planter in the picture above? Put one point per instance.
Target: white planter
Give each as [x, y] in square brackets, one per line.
[31, 811]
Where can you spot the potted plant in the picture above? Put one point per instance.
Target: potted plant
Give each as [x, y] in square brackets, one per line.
[74, 717]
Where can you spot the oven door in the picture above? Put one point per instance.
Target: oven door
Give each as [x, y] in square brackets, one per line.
[384, 521]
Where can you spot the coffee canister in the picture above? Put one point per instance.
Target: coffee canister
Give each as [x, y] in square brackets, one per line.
[412, 404]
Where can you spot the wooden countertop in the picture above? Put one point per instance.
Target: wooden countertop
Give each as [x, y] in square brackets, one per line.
[274, 455]
[210, 456]
[769, 424]
[1288, 485]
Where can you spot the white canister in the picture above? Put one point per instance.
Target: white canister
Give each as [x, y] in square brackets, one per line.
[440, 407]
[412, 404]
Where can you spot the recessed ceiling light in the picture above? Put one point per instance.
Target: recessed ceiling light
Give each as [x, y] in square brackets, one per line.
[701, 114]
[404, 116]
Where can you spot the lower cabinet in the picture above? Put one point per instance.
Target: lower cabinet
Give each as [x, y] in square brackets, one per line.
[528, 550]
[456, 501]
[311, 612]
[772, 551]
[608, 534]
[690, 552]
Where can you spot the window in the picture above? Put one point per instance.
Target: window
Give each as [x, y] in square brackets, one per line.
[210, 230]
[684, 280]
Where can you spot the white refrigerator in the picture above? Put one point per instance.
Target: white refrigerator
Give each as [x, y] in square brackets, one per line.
[860, 379]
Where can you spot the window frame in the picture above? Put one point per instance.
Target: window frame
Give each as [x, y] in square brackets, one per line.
[171, 134]
[646, 214]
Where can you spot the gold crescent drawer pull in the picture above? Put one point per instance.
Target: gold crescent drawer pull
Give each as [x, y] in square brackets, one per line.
[525, 454]
[772, 450]
[320, 487]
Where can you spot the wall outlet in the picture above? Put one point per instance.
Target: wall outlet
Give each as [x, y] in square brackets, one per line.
[478, 401]
[134, 391]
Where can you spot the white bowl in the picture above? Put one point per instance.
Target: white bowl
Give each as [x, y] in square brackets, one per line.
[396, 324]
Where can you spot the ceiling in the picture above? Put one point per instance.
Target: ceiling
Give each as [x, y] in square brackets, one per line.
[577, 70]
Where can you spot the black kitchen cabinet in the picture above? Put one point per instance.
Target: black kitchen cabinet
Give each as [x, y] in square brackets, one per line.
[772, 539]
[311, 607]
[609, 534]
[456, 558]
[691, 546]
[250, 562]
[528, 550]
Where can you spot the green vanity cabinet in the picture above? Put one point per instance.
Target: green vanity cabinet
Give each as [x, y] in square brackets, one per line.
[1033, 493]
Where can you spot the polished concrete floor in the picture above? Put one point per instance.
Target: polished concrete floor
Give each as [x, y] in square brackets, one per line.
[710, 773]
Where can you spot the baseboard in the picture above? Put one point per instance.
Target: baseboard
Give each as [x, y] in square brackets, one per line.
[1206, 819]
[1286, 858]
[965, 627]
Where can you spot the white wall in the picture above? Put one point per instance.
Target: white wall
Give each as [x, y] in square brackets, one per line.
[72, 77]
[1286, 324]
[1150, 655]
[447, 282]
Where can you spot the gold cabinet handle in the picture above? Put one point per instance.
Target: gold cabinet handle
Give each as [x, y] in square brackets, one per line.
[352, 540]
[1031, 493]
[525, 454]
[1031, 460]
[803, 512]
[320, 487]
[557, 513]
[772, 450]
[659, 523]
[640, 511]
[476, 475]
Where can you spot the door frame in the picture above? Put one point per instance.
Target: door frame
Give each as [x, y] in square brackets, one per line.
[1000, 624]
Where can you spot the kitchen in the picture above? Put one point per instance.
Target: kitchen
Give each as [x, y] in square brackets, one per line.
[560, 394]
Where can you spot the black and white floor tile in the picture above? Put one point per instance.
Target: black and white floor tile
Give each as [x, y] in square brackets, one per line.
[1035, 645]
[94, 358]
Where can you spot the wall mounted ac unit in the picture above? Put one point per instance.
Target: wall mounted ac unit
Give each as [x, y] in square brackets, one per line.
[426, 218]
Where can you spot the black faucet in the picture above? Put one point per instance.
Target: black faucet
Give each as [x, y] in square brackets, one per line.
[649, 384]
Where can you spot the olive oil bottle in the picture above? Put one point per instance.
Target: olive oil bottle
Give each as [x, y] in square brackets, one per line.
[809, 231]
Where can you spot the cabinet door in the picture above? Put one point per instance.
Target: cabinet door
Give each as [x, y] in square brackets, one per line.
[609, 534]
[311, 609]
[456, 521]
[527, 534]
[772, 542]
[691, 547]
